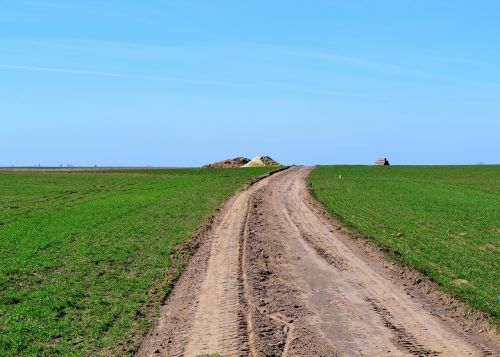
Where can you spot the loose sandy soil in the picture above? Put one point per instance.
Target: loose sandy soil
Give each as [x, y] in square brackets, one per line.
[275, 277]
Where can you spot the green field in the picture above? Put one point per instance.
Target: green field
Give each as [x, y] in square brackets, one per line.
[84, 255]
[442, 220]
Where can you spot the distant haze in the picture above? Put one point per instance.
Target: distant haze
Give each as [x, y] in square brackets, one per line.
[184, 83]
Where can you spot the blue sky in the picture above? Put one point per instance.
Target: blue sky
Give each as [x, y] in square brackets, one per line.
[182, 83]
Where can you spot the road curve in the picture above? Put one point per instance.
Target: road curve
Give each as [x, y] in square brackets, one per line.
[274, 278]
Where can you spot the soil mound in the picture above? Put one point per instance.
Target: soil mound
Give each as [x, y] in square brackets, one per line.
[236, 162]
[261, 161]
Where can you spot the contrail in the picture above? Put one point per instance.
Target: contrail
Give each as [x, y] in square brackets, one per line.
[272, 85]
[121, 75]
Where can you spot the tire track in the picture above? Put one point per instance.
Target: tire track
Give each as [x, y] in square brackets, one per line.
[249, 304]
[220, 323]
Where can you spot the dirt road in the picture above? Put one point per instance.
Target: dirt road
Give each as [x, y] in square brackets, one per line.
[275, 278]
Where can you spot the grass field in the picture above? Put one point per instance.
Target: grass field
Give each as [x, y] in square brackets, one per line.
[84, 254]
[442, 220]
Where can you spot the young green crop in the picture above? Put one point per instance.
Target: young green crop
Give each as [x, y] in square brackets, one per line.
[82, 254]
[442, 220]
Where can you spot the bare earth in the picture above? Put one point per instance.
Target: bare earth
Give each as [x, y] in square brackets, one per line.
[276, 278]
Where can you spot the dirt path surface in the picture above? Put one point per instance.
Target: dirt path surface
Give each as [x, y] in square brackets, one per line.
[274, 278]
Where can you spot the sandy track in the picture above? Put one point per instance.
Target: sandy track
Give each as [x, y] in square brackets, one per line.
[275, 278]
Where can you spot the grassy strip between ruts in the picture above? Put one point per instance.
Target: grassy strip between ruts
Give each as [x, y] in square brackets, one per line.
[442, 220]
[82, 253]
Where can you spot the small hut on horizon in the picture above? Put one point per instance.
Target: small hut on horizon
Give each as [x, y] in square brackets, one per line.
[382, 161]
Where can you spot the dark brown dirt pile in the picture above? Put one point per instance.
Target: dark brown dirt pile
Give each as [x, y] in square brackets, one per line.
[236, 162]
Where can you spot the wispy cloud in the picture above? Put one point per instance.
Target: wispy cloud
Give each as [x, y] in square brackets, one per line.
[353, 61]
[390, 68]
[42, 3]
